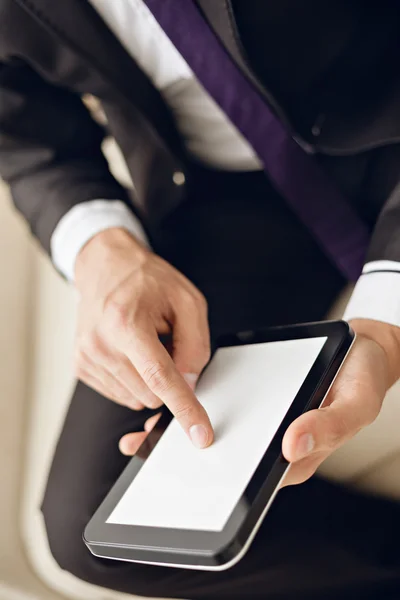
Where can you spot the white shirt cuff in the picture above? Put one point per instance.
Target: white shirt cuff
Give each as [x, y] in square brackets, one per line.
[82, 223]
[376, 295]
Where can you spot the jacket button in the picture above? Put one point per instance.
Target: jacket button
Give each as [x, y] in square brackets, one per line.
[179, 178]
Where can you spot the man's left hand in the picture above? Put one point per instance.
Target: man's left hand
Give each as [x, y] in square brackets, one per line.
[354, 401]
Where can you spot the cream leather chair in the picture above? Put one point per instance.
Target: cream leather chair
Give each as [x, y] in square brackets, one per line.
[36, 339]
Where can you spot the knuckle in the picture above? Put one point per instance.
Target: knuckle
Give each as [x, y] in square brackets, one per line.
[80, 373]
[194, 299]
[91, 346]
[183, 412]
[118, 368]
[206, 351]
[115, 392]
[149, 399]
[339, 430]
[133, 403]
[118, 315]
[188, 298]
[118, 391]
[156, 377]
[201, 300]
[153, 403]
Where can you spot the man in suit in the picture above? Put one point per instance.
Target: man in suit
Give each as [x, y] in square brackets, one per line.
[209, 242]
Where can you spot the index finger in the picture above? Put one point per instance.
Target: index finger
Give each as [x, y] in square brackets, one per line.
[158, 371]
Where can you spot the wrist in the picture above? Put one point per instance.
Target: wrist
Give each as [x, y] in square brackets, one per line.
[387, 337]
[103, 248]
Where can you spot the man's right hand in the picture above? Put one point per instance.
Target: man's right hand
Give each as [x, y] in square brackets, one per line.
[128, 296]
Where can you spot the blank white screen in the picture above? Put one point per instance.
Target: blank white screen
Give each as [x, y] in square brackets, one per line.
[247, 391]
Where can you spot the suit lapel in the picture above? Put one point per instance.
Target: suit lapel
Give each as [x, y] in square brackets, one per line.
[78, 25]
[220, 16]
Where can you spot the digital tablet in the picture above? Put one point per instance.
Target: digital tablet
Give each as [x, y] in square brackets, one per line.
[180, 506]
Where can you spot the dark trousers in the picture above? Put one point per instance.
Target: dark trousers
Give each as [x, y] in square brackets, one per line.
[234, 237]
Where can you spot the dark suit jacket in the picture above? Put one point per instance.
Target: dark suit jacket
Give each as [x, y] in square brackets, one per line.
[340, 96]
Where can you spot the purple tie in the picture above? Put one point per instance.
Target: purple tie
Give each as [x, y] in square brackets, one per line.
[314, 198]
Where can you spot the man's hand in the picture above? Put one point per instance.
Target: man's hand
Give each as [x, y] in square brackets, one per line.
[128, 296]
[353, 402]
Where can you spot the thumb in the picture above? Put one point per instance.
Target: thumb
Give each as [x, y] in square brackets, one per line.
[131, 443]
[353, 403]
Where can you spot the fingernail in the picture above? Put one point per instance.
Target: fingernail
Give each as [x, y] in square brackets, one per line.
[304, 446]
[191, 380]
[199, 436]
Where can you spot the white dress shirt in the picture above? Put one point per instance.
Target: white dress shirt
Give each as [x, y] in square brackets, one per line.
[209, 136]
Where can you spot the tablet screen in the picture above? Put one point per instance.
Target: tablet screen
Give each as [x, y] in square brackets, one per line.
[247, 391]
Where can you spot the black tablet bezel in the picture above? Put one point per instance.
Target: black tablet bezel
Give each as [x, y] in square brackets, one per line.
[210, 548]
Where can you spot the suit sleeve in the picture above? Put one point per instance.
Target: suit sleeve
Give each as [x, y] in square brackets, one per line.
[50, 153]
[377, 293]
